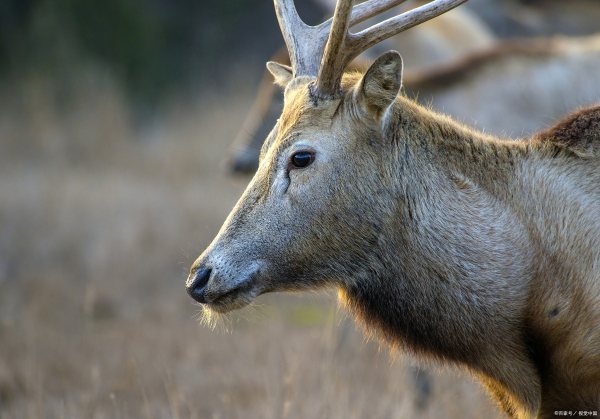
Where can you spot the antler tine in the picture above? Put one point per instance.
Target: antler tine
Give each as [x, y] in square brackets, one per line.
[330, 73]
[304, 43]
[342, 46]
[334, 57]
[367, 38]
[370, 8]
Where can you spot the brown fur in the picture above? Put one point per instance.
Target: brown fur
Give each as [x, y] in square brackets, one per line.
[578, 133]
[455, 245]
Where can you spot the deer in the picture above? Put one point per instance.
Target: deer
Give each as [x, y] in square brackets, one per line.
[448, 243]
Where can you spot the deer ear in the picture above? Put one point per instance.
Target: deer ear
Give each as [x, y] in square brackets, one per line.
[281, 73]
[380, 84]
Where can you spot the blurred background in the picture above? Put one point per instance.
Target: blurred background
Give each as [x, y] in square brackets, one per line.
[117, 120]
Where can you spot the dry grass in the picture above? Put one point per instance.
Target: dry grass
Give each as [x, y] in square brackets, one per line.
[99, 222]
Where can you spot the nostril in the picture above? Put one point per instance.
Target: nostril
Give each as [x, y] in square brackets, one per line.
[196, 283]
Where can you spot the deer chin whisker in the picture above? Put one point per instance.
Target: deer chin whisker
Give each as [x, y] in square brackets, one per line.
[231, 300]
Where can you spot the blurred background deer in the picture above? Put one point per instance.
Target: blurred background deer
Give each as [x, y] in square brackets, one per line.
[115, 118]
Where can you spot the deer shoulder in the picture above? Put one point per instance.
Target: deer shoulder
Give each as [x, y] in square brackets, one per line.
[577, 134]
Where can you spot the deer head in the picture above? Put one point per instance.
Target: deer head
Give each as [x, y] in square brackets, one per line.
[301, 223]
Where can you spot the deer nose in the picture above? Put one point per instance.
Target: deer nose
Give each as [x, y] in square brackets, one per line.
[196, 283]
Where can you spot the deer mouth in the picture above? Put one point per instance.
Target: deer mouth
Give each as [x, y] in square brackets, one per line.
[223, 301]
[233, 299]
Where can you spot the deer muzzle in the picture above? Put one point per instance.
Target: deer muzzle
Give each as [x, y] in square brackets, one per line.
[222, 286]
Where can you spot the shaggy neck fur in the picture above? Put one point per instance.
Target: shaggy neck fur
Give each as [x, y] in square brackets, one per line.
[458, 278]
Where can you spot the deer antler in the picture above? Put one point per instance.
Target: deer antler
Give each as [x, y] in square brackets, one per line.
[332, 40]
[306, 43]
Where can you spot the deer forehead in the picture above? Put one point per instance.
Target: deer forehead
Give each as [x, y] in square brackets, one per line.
[302, 111]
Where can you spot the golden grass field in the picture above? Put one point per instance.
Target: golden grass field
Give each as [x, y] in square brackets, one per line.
[100, 220]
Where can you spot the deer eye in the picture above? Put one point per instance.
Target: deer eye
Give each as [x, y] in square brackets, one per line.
[301, 159]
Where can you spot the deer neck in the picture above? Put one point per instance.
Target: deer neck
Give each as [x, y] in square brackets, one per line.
[454, 263]
[438, 144]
